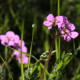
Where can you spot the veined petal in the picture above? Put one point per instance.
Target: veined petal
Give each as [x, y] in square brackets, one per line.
[67, 38]
[61, 31]
[65, 20]
[50, 17]
[74, 34]
[59, 18]
[59, 21]
[72, 27]
[47, 23]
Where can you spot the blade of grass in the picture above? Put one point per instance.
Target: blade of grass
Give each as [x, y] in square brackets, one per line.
[57, 41]
[58, 15]
[34, 31]
[22, 69]
[31, 48]
[24, 53]
[18, 51]
[74, 48]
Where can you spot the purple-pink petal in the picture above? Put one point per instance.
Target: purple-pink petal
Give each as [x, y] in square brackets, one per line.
[3, 39]
[50, 27]
[61, 31]
[25, 60]
[16, 53]
[72, 27]
[59, 21]
[11, 43]
[10, 34]
[67, 38]
[74, 34]
[65, 20]
[50, 17]
[47, 23]
[24, 49]
[3, 43]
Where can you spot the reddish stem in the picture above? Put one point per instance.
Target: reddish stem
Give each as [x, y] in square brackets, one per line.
[47, 60]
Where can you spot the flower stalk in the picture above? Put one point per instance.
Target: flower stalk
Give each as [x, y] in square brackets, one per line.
[47, 60]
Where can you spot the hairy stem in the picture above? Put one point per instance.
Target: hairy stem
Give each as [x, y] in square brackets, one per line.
[47, 61]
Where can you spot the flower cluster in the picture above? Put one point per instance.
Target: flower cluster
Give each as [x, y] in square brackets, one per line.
[11, 39]
[65, 27]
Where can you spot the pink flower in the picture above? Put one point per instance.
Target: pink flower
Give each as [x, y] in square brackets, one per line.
[7, 39]
[59, 21]
[67, 30]
[13, 40]
[18, 44]
[16, 38]
[53, 21]
[50, 21]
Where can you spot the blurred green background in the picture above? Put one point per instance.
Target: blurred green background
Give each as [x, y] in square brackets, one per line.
[14, 12]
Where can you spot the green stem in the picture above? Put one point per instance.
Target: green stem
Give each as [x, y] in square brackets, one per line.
[31, 49]
[56, 47]
[6, 53]
[22, 69]
[58, 15]
[57, 41]
[5, 60]
[74, 48]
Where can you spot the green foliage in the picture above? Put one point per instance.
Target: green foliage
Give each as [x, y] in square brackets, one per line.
[77, 74]
[1, 73]
[36, 69]
[45, 55]
[33, 73]
[60, 64]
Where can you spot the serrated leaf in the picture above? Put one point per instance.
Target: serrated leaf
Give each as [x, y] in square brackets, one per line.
[59, 65]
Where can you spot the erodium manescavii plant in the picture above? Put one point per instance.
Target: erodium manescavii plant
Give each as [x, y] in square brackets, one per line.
[13, 40]
[62, 27]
